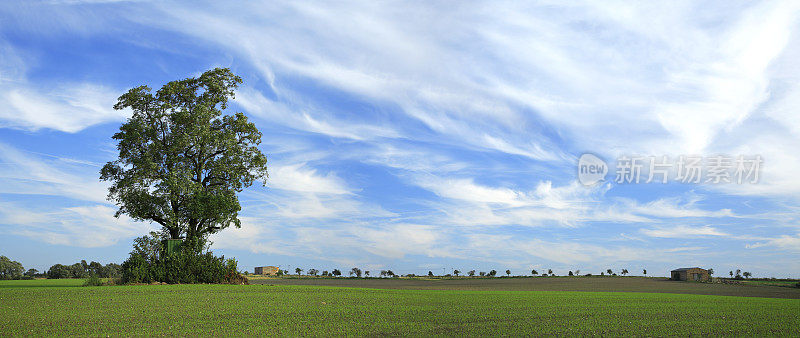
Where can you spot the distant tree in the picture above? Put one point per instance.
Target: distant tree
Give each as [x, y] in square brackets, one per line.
[731, 273]
[390, 273]
[298, 271]
[534, 272]
[366, 273]
[430, 273]
[96, 269]
[570, 273]
[738, 273]
[112, 270]
[336, 272]
[456, 272]
[644, 271]
[77, 271]
[492, 273]
[577, 272]
[609, 272]
[508, 273]
[746, 274]
[31, 273]
[483, 273]
[10, 269]
[710, 272]
[59, 271]
[181, 159]
[383, 273]
[624, 272]
[325, 272]
[549, 271]
[356, 272]
[313, 272]
[602, 274]
[471, 273]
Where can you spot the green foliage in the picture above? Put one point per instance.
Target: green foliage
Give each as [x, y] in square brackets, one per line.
[84, 270]
[181, 160]
[149, 246]
[136, 270]
[355, 272]
[10, 269]
[149, 263]
[59, 271]
[93, 280]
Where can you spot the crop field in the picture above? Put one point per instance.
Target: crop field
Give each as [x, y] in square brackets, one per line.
[30, 308]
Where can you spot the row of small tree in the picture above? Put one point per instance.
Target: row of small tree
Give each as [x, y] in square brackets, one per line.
[84, 270]
[357, 272]
[738, 274]
[354, 272]
[14, 270]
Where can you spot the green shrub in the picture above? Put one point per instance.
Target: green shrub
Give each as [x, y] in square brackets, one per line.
[93, 281]
[187, 266]
[136, 270]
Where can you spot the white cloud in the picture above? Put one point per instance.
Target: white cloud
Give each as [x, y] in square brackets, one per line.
[87, 226]
[672, 208]
[300, 178]
[299, 116]
[784, 242]
[683, 231]
[68, 107]
[22, 173]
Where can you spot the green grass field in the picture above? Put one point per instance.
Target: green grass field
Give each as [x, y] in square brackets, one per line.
[44, 307]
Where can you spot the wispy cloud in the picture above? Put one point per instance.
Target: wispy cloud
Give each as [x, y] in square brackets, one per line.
[68, 107]
[447, 132]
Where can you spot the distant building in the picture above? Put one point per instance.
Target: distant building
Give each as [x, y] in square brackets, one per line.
[690, 274]
[266, 270]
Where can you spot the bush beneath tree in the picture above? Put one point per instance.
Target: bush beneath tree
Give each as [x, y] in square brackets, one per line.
[193, 264]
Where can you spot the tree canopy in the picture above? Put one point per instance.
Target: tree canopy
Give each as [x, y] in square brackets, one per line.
[181, 160]
[10, 269]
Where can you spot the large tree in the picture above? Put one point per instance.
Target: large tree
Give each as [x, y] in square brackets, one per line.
[10, 269]
[181, 159]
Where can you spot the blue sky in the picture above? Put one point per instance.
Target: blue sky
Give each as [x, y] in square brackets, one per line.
[423, 137]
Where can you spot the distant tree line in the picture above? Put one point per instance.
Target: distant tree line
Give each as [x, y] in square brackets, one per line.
[84, 270]
[14, 270]
[359, 273]
[533, 272]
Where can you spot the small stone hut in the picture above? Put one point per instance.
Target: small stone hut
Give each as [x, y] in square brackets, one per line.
[690, 274]
[266, 270]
